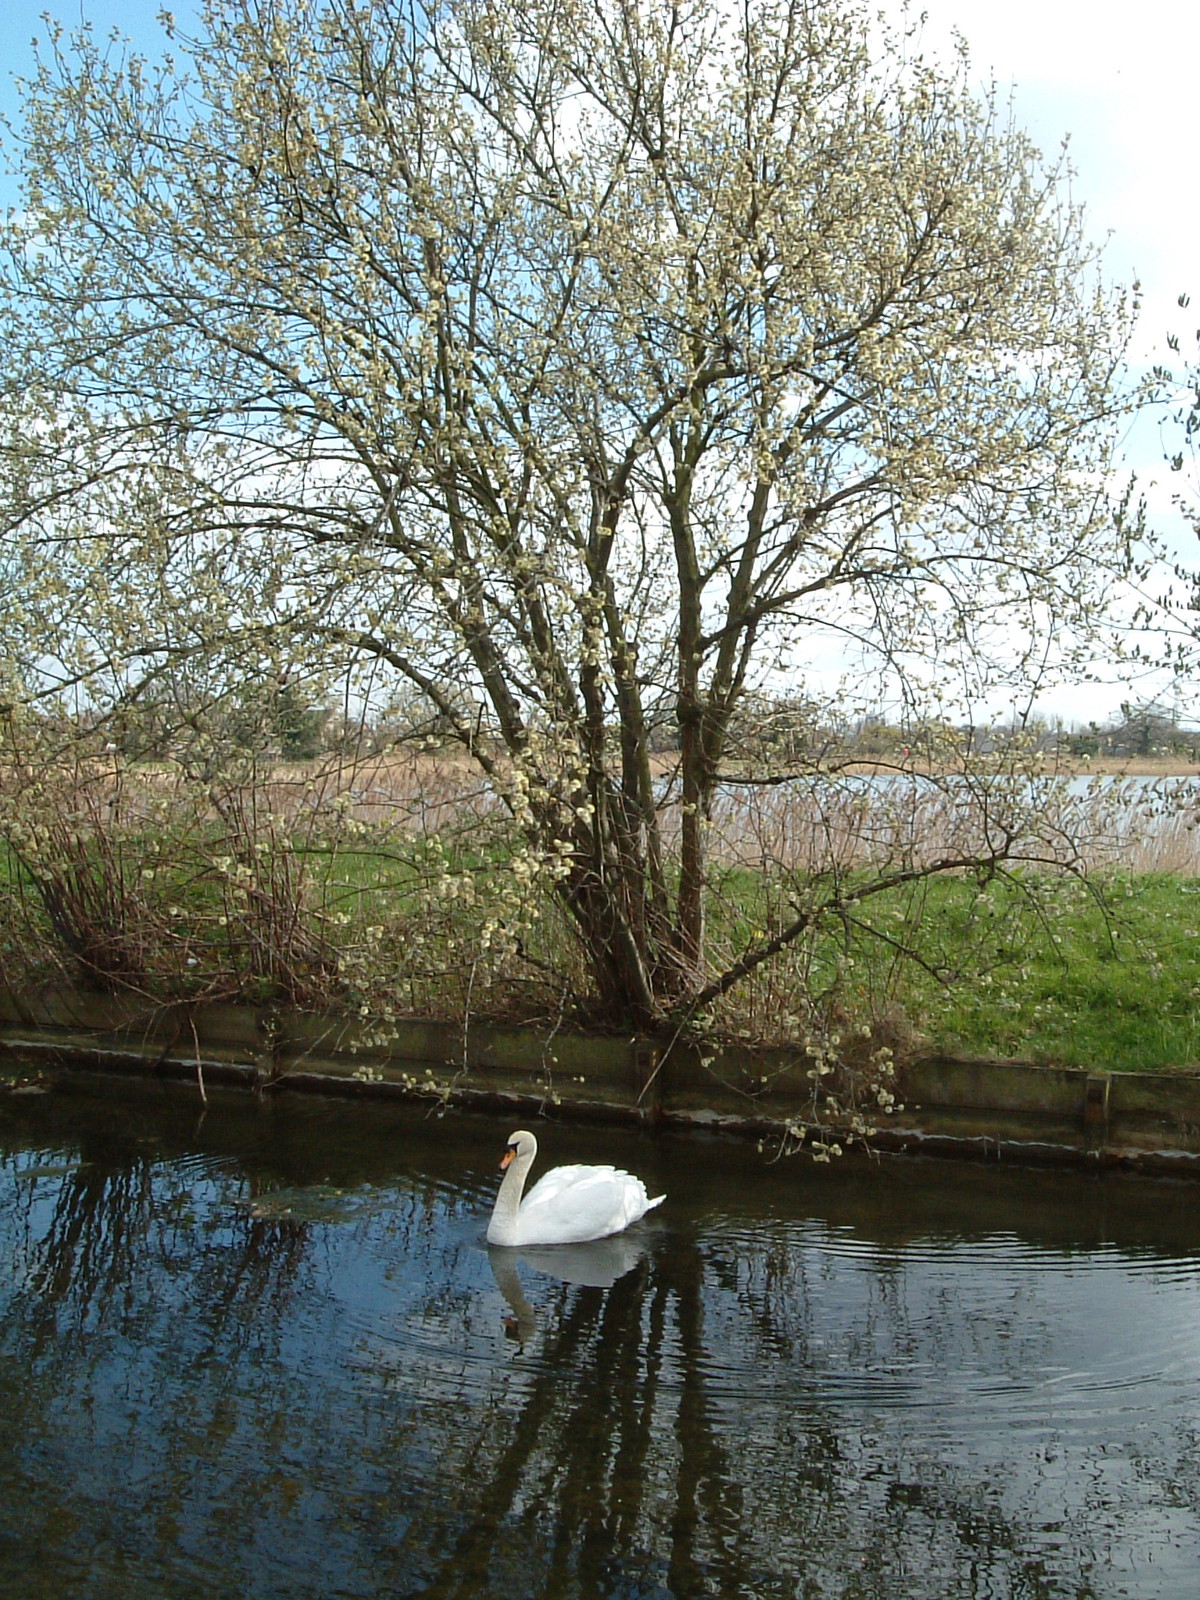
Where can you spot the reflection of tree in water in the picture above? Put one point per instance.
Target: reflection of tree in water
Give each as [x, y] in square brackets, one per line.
[267, 1406]
[632, 1455]
[141, 1301]
[617, 1472]
[566, 1477]
[117, 1239]
[616, 1468]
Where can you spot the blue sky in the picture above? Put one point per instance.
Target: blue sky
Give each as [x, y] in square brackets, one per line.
[1120, 82]
[1125, 92]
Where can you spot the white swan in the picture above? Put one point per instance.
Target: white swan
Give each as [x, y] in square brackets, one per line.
[570, 1205]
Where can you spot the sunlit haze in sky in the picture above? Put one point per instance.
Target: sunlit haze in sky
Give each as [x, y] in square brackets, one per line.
[1119, 81]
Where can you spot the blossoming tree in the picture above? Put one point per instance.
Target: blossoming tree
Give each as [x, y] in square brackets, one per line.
[586, 365]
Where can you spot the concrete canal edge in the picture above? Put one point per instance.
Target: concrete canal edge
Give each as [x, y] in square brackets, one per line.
[983, 1109]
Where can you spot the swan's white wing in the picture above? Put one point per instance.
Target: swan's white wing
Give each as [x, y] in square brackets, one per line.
[571, 1205]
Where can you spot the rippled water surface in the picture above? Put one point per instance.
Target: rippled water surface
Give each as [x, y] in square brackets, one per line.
[262, 1350]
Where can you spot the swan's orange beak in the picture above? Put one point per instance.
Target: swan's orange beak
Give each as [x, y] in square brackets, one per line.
[506, 1158]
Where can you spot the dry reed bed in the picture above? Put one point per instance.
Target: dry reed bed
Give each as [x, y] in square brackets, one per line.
[819, 822]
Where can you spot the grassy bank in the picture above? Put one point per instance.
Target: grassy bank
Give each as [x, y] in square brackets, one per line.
[1104, 975]
[400, 894]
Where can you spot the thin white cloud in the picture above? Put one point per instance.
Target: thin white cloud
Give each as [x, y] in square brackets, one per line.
[1121, 83]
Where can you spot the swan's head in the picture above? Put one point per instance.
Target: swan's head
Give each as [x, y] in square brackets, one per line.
[520, 1144]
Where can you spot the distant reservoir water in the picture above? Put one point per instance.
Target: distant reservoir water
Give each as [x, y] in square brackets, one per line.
[261, 1350]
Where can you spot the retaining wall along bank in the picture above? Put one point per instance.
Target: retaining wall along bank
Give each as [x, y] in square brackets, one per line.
[987, 1109]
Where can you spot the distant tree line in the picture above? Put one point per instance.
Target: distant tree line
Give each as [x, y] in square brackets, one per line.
[292, 720]
[1139, 731]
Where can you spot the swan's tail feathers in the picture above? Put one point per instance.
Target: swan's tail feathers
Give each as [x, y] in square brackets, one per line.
[657, 1201]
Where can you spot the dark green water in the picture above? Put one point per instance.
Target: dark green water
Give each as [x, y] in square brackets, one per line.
[264, 1352]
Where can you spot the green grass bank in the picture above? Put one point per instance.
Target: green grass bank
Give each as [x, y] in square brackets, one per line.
[1100, 973]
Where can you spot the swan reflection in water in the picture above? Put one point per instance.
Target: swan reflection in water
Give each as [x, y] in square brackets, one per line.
[596, 1265]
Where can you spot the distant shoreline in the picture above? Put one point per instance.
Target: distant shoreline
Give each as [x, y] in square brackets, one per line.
[1124, 767]
[663, 762]
[1050, 767]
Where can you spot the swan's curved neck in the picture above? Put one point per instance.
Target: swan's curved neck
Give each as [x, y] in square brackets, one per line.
[502, 1229]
